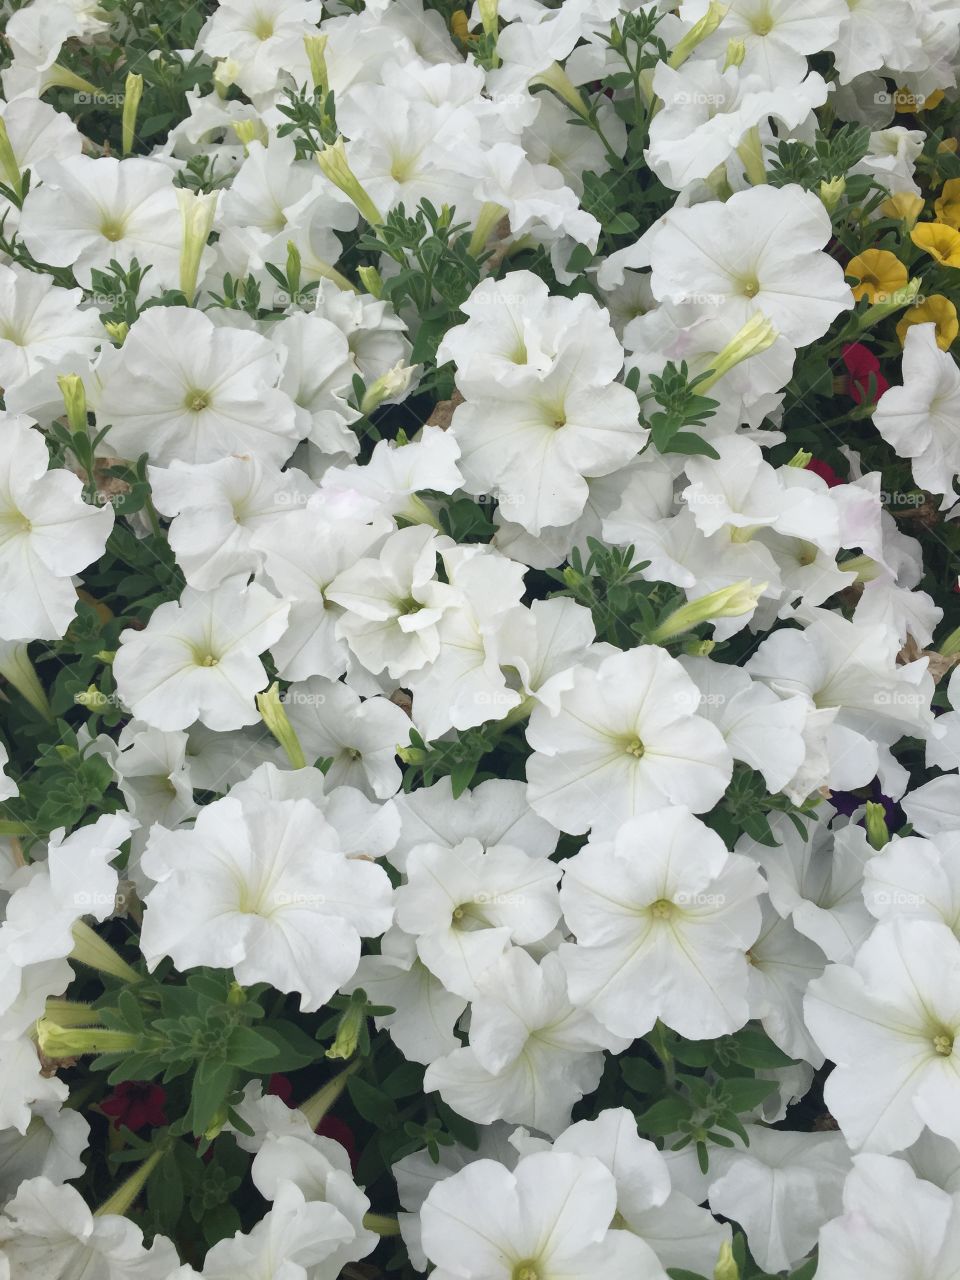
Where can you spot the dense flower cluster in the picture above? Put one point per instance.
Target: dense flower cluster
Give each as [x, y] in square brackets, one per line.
[479, 626]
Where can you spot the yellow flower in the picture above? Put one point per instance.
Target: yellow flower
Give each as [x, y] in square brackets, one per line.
[939, 240]
[940, 311]
[947, 205]
[907, 103]
[879, 272]
[903, 207]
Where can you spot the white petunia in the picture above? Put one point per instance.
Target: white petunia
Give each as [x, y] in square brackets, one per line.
[199, 658]
[264, 888]
[47, 534]
[183, 388]
[663, 917]
[549, 1219]
[891, 1023]
[626, 740]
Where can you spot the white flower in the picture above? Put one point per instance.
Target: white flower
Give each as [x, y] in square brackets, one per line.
[781, 1188]
[918, 419]
[778, 35]
[50, 1148]
[218, 508]
[916, 878]
[295, 1240]
[532, 1055]
[626, 740]
[817, 882]
[47, 534]
[665, 898]
[199, 658]
[759, 252]
[782, 964]
[87, 212]
[532, 440]
[320, 1169]
[495, 812]
[465, 685]
[548, 1220]
[760, 729]
[393, 603]
[48, 1233]
[893, 1225]
[213, 393]
[359, 738]
[679, 1232]
[42, 326]
[891, 1023]
[853, 668]
[466, 905]
[264, 888]
[302, 552]
[424, 1012]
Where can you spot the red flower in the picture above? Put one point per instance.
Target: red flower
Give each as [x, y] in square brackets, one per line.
[340, 1131]
[861, 363]
[824, 471]
[136, 1104]
[329, 1126]
[281, 1087]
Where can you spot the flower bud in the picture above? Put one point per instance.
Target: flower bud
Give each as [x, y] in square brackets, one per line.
[74, 400]
[832, 192]
[699, 32]
[728, 602]
[58, 1042]
[371, 280]
[726, 1267]
[389, 386]
[197, 213]
[9, 169]
[132, 93]
[349, 1028]
[316, 51]
[556, 78]
[801, 459]
[878, 833]
[17, 669]
[334, 163]
[253, 130]
[757, 335]
[736, 52]
[90, 949]
[489, 16]
[277, 721]
[117, 329]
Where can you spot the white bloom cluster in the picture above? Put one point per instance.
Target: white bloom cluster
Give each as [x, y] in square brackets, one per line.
[444, 627]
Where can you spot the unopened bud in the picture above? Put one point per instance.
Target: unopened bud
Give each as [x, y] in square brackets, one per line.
[74, 400]
[728, 602]
[335, 165]
[757, 335]
[699, 32]
[878, 833]
[277, 721]
[132, 93]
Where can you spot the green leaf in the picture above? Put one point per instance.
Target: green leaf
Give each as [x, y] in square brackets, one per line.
[372, 1103]
[248, 1048]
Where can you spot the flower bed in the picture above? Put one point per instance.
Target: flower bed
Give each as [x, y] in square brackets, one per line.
[478, 638]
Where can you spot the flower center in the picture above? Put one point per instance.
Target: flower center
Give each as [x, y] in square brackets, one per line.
[263, 27]
[943, 1044]
[112, 229]
[526, 1271]
[762, 24]
[409, 605]
[209, 660]
[751, 287]
[197, 401]
[662, 909]
[635, 748]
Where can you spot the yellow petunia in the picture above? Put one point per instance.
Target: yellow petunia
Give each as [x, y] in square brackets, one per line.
[879, 273]
[940, 311]
[947, 205]
[940, 241]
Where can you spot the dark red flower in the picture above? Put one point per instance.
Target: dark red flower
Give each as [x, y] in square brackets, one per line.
[861, 363]
[340, 1131]
[281, 1087]
[824, 471]
[136, 1104]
